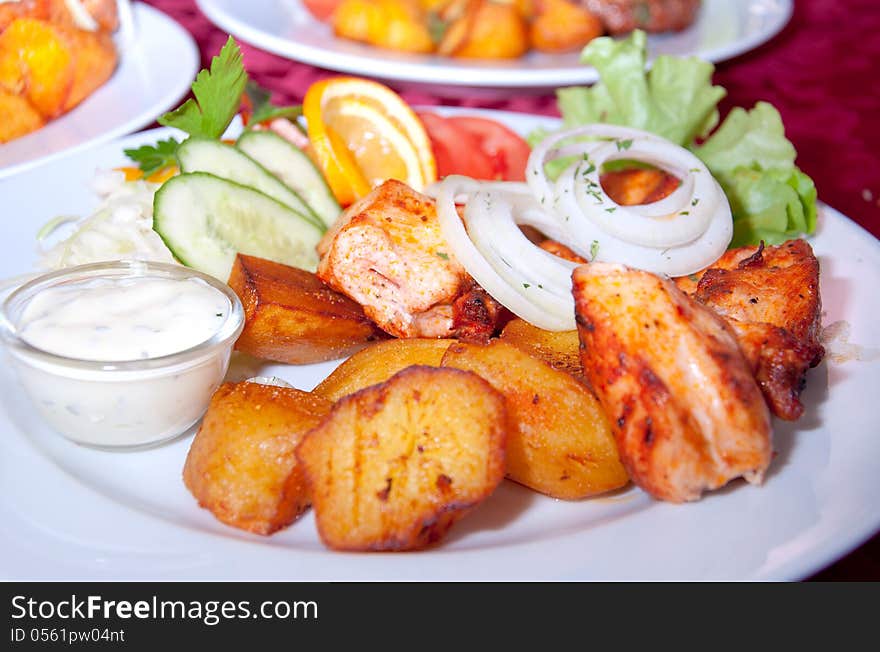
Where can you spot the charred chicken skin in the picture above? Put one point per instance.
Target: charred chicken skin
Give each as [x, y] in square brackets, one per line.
[686, 411]
[387, 253]
[770, 298]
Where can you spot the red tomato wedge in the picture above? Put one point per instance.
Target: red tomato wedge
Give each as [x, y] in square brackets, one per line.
[321, 9]
[476, 147]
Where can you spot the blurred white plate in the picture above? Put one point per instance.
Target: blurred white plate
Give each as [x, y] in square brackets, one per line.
[73, 513]
[155, 72]
[722, 30]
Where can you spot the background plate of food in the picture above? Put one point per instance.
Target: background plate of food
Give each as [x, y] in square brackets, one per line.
[712, 29]
[78, 512]
[143, 67]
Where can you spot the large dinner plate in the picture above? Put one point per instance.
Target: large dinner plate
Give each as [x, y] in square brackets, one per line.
[722, 30]
[70, 512]
[155, 71]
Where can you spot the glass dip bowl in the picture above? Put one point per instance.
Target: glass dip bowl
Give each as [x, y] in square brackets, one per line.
[121, 403]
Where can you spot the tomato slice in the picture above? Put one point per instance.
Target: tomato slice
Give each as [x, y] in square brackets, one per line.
[455, 150]
[321, 9]
[507, 149]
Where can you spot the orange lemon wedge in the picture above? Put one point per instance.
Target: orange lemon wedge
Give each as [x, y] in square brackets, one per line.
[362, 133]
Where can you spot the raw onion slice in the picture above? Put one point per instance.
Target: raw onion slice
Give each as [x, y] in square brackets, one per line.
[516, 299]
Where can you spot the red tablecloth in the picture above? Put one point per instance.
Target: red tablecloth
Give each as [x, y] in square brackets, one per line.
[820, 72]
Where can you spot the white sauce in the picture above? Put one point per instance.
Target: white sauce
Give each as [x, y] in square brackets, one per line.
[123, 318]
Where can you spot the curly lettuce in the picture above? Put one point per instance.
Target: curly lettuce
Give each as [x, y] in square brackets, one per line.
[748, 153]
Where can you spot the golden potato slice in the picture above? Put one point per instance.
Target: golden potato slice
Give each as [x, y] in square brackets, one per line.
[378, 362]
[560, 442]
[242, 464]
[19, 117]
[37, 63]
[292, 316]
[561, 350]
[395, 465]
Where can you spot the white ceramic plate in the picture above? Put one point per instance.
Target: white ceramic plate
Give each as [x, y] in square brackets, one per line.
[722, 30]
[155, 71]
[76, 513]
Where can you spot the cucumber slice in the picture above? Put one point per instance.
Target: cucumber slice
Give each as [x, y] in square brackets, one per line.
[228, 162]
[205, 220]
[290, 164]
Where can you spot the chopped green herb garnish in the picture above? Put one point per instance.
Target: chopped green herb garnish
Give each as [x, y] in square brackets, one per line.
[623, 144]
[695, 201]
[694, 277]
[594, 249]
[442, 255]
[526, 286]
[611, 210]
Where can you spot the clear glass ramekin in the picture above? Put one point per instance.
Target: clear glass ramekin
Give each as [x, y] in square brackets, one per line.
[112, 404]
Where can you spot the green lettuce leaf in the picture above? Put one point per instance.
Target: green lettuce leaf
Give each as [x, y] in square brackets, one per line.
[771, 205]
[749, 155]
[748, 139]
[675, 99]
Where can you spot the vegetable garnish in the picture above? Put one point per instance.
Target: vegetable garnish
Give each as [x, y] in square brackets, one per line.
[217, 96]
[262, 109]
[680, 234]
[220, 92]
[771, 199]
[152, 158]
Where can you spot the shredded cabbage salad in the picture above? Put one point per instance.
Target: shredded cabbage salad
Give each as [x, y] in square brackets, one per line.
[120, 228]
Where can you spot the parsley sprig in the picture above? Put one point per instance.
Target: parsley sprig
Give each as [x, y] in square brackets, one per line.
[217, 96]
[152, 158]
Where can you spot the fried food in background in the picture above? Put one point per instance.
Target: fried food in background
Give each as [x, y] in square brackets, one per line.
[48, 62]
[623, 16]
[562, 26]
[559, 442]
[472, 29]
[242, 466]
[395, 465]
[292, 316]
[686, 411]
[378, 362]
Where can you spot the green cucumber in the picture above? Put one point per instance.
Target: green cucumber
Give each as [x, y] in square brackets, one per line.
[205, 220]
[228, 162]
[293, 166]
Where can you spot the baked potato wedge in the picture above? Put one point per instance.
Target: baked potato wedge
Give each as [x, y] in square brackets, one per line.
[242, 465]
[560, 442]
[292, 316]
[395, 465]
[378, 362]
[561, 350]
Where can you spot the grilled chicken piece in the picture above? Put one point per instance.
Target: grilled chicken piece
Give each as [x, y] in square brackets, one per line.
[387, 253]
[770, 297]
[685, 410]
